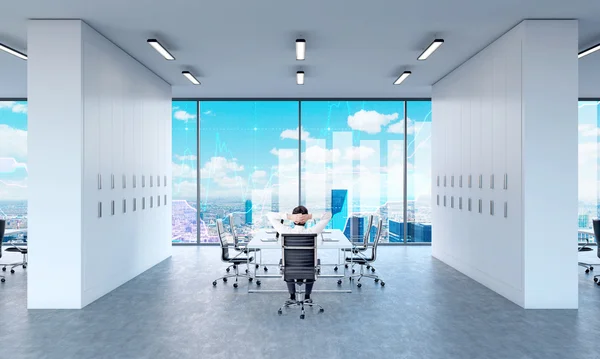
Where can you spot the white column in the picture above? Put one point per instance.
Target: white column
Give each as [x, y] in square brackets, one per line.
[511, 112]
[82, 92]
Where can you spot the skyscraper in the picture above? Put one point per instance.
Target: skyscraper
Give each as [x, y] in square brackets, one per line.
[248, 211]
[339, 208]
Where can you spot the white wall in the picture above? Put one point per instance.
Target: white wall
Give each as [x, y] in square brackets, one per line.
[502, 113]
[120, 127]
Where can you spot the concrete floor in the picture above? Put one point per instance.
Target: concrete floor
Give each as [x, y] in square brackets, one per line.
[426, 310]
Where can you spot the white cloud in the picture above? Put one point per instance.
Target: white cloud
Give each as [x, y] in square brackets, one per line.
[186, 157]
[184, 190]
[183, 171]
[19, 108]
[370, 121]
[183, 115]
[7, 104]
[283, 153]
[358, 153]
[588, 130]
[398, 127]
[209, 112]
[13, 142]
[293, 135]
[10, 165]
[231, 182]
[13, 190]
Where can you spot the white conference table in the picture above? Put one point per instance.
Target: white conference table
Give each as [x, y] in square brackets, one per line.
[265, 239]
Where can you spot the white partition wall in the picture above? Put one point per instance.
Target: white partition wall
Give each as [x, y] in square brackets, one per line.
[504, 165]
[99, 160]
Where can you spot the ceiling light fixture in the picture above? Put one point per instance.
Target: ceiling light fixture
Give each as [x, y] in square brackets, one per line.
[13, 52]
[300, 49]
[160, 48]
[300, 77]
[430, 49]
[402, 77]
[589, 51]
[191, 77]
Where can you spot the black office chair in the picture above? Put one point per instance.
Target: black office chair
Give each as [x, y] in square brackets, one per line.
[596, 223]
[240, 245]
[299, 265]
[235, 261]
[366, 261]
[15, 249]
[584, 248]
[2, 228]
[358, 247]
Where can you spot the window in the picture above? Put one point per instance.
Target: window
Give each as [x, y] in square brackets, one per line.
[249, 162]
[588, 167]
[419, 171]
[13, 168]
[184, 175]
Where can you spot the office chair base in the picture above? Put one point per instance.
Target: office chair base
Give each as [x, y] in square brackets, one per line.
[2, 279]
[299, 304]
[588, 267]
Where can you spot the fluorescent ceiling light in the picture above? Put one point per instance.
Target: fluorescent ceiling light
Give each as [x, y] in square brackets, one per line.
[589, 51]
[430, 49]
[191, 77]
[300, 77]
[12, 51]
[300, 49]
[402, 77]
[161, 50]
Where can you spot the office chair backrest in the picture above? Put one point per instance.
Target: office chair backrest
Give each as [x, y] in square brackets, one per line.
[367, 233]
[2, 228]
[596, 223]
[224, 245]
[377, 238]
[299, 257]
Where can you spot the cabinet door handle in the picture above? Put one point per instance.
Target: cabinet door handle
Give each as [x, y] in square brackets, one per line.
[165, 181]
[480, 181]
[157, 181]
[469, 204]
[99, 181]
[460, 181]
[438, 199]
[491, 181]
[452, 181]
[124, 205]
[444, 180]
[480, 205]
[444, 200]
[505, 209]
[134, 182]
[452, 202]
[165, 199]
[491, 208]
[470, 181]
[506, 181]
[135, 204]
[151, 181]
[99, 209]
[460, 203]
[438, 180]
[124, 181]
[112, 208]
[112, 181]
[143, 181]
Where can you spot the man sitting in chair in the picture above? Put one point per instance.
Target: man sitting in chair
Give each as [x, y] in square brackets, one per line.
[300, 218]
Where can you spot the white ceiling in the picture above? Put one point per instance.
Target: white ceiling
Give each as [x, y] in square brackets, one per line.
[245, 48]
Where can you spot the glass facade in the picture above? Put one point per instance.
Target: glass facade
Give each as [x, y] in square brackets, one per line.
[347, 157]
[589, 127]
[13, 168]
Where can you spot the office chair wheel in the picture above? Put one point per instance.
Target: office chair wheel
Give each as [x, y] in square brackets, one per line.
[339, 282]
[368, 267]
[301, 316]
[246, 271]
[376, 280]
[214, 283]
[595, 280]
[382, 283]
[266, 269]
[257, 266]
[335, 269]
[12, 271]
[24, 266]
[587, 271]
[235, 285]
[4, 269]
[2, 280]
[372, 270]
[257, 282]
[321, 310]
[353, 271]
[225, 280]
[250, 279]
[346, 266]
[359, 285]
[591, 268]
[228, 269]
[234, 266]
[280, 312]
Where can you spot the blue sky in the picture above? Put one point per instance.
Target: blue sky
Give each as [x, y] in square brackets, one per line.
[13, 150]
